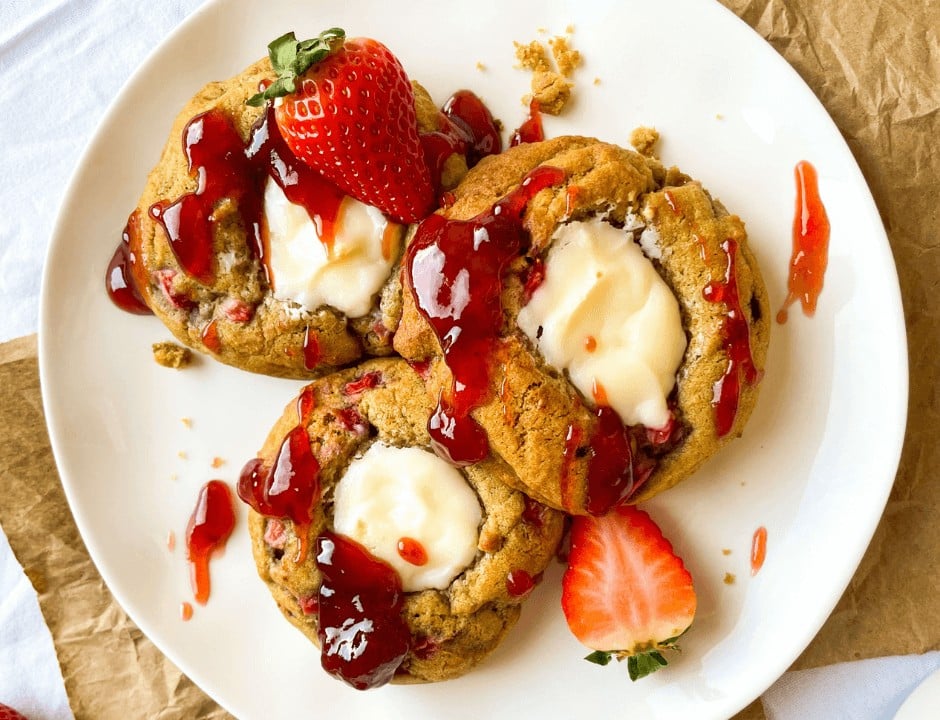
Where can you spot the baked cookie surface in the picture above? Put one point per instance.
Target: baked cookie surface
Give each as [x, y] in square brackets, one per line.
[345, 417]
[557, 439]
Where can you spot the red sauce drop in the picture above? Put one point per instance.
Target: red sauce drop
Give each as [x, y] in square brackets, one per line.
[758, 549]
[171, 541]
[531, 129]
[210, 337]
[366, 381]
[737, 338]
[610, 478]
[598, 392]
[412, 551]
[590, 343]
[289, 489]
[208, 530]
[455, 270]
[306, 404]
[810, 244]
[534, 278]
[519, 583]
[571, 197]
[121, 280]
[533, 512]
[186, 612]
[363, 637]
[311, 349]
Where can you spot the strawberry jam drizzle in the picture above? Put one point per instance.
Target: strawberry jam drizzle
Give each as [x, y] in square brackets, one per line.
[810, 244]
[412, 551]
[363, 637]
[121, 280]
[531, 129]
[467, 128]
[210, 337]
[758, 549]
[311, 348]
[208, 530]
[366, 381]
[455, 272]
[737, 338]
[186, 611]
[519, 583]
[291, 487]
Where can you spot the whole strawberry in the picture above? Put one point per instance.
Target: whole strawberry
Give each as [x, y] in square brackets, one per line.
[348, 112]
[625, 593]
[8, 713]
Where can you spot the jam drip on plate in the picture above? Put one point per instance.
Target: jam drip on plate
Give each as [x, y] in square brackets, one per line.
[455, 272]
[209, 528]
[291, 487]
[363, 637]
[810, 244]
[121, 278]
[531, 129]
[467, 128]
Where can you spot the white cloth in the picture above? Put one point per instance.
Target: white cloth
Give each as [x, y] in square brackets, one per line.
[30, 679]
[61, 63]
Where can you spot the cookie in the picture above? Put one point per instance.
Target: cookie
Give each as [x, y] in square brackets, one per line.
[350, 458]
[474, 277]
[246, 254]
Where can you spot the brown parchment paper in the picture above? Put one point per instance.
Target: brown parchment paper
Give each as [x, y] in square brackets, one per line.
[876, 67]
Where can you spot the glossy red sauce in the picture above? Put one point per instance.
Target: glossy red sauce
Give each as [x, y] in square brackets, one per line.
[533, 512]
[758, 549]
[186, 611]
[209, 528]
[454, 269]
[210, 337]
[171, 541]
[531, 129]
[534, 278]
[366, 381]
[363, 637]
[311, 349]
[519, 583]
[590, 343]
[810, 244]
[120, 279]
[412, 551]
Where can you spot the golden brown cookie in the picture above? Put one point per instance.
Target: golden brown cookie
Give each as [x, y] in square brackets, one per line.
[334, 423]
[202, 263]
[564, 449]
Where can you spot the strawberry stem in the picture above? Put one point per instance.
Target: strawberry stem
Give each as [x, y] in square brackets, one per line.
[291, 58]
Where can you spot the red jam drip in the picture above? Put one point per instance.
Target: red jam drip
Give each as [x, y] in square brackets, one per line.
[120, 279]
[534, 278]
[366, 381]
[306, 403]
[208, 530]
[519, 583]
[289, 489]
[301, 184]
[363, 637]
[210, 337]
[311, 349]
[737, 339]
[810, 244]
[531, 129]
[610, 478]
[412, 551]
[186, 611]
[590, 343]
[533, 512]
[215, 152]
[455, 272]
[467, 128]
[758, 549]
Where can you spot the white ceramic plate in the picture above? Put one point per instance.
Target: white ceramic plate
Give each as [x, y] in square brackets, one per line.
[924, 702]
[814, 467]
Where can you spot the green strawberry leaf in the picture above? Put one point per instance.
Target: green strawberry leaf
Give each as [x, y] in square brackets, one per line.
[645, 663]
[599, 657]
[291, 59]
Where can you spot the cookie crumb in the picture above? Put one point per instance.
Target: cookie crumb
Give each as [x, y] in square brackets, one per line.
[169, 354]
[551, 90]
[480, 66]
[187, 422]
[174, 477]
[719, 116]
[532, 56]
[726, 551]
[729, 579]
[217, 462]
[569, 29]
[566, 57]
[597, 81]
[644, 139]
[541, 30]
[181, 455]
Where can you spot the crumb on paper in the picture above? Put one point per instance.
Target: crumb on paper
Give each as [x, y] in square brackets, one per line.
[597, 81]
[644, 139]
[541, 30]
[532, 56]
[171, 541]
[566, 57]
[726, 551]
[480, 66]
[719, 116]
[174, 477]
[181, 455]
[187, 422]
[569, 29]
[551, 90]
[729, 579]
[169, 354]
[217, 462]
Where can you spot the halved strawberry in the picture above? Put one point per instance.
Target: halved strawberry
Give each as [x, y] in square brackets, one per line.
[625, 593]
[348, 111]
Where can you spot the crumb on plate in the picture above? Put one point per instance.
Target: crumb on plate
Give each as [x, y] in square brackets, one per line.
[169, 354]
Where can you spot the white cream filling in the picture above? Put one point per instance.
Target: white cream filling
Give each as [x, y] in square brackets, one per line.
[605, 315]
[348, 275]
[389, 494]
